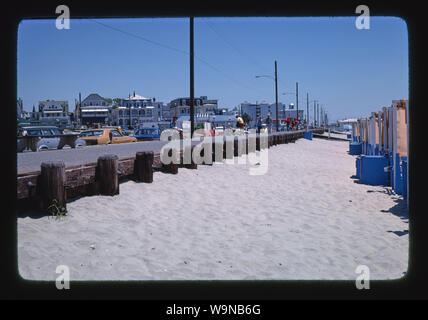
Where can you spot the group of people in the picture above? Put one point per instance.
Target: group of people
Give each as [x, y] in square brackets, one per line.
[290, 124]
[241, 124]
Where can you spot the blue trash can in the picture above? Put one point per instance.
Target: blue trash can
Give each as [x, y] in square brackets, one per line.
[372, 170]
[307, 135]
[355, 148]
[404, 171]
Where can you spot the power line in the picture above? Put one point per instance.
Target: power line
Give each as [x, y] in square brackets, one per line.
[231, 45]
[141, 38]
[174, 49]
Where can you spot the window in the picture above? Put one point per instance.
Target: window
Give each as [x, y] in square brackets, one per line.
[46, 132]
[115, 133]
[34, 132]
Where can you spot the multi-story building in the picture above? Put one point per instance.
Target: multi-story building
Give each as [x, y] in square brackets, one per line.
[94, 109]
[136, 110]
[51, 112]
[181, 106]
[225, 121]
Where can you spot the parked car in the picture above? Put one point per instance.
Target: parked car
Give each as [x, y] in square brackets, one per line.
[145, 134]
[50, 136]
[105, 136]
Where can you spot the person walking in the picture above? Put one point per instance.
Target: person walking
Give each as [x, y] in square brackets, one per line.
[269, 123]
[239, 122]
[259, 124]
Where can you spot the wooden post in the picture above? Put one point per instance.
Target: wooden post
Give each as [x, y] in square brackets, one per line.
[236, 147]
[191, 165]
[258, 143]
[52, 186]
[171, 167]
[143, 166]
[107, 177]
[227, 148]
[219, 146]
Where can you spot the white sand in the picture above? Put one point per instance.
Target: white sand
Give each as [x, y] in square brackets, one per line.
[295, 222]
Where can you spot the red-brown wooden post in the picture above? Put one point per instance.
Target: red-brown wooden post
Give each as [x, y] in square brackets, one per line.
[107, 177]
[171, 167]
[52, 185]
[144, 166]
[192, 164]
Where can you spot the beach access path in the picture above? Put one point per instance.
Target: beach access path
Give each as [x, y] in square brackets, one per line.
[305, 218]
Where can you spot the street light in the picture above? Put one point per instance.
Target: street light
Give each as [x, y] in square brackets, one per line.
[276, 92]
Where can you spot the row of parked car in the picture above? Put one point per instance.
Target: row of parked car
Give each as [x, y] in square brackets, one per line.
[50, 136]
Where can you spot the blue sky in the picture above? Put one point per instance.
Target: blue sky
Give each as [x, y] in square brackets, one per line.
[350, 72]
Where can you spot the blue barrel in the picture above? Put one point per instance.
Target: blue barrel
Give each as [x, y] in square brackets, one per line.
[398, 176]
[307, 135]
[391, 172]
[358, 167]
[355, 148]
[372, 170]
[404, 171]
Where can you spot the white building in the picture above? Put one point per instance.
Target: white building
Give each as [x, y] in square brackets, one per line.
[52, 112]
[94, 109]
[203, 106]
[136, 110]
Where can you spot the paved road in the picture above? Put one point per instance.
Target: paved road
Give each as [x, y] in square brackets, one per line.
[29, 161]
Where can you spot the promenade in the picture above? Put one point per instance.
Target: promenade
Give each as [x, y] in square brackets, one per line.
[31, 161]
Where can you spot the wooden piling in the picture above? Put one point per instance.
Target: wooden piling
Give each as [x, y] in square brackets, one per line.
[258, 143]
[143, 166]
[192, 165]
[171, 167]
[235, 147]
[52, 186]
[107, 175]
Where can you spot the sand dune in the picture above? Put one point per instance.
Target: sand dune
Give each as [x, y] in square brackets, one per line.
[305, 218]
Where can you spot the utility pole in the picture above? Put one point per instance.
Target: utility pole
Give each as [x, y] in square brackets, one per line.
[276, 97]
[297, 103]
[315, 110]
[317, 114]
[321, 119]
[192, 94]
[307, 110]
[80, 108]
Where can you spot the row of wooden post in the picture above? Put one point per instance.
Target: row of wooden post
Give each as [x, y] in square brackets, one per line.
[53, 177]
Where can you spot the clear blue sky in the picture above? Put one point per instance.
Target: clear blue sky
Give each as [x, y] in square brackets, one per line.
[350, 72]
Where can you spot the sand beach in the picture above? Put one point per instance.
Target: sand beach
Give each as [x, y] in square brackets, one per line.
[305, 219]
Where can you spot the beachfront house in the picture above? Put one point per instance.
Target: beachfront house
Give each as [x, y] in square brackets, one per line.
[94, 110]
[137, 110]
[225, 121]
[203, 106]
[51, 113]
